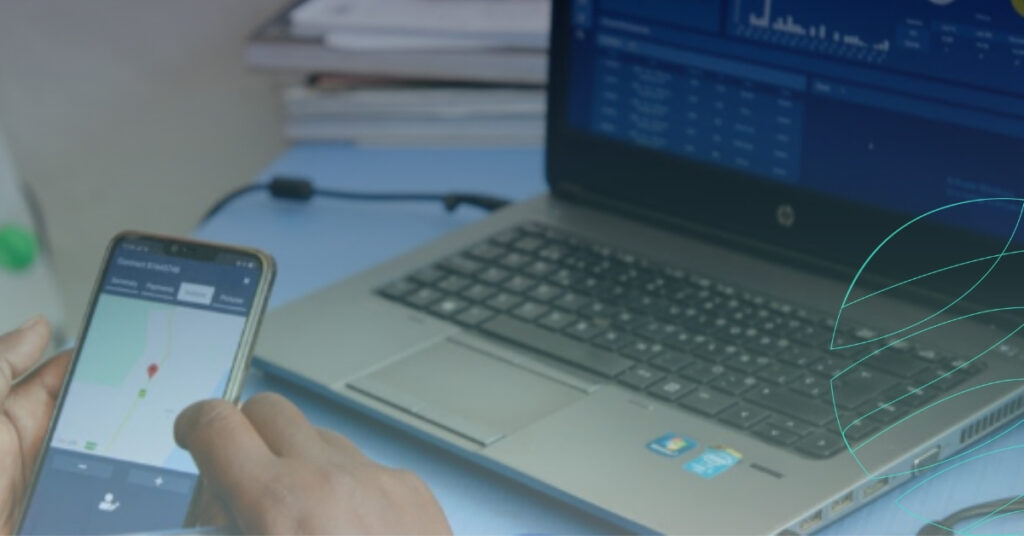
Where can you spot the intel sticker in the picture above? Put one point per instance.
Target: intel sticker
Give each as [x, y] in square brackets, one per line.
[713, 461]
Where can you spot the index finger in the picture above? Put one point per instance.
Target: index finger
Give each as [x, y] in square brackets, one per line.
[230, 454]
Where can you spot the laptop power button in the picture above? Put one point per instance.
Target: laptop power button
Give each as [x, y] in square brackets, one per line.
[926, 460]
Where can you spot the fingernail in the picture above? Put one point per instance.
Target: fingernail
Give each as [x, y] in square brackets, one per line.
[31, 323]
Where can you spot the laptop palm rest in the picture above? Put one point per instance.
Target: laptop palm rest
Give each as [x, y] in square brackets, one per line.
[436, 383]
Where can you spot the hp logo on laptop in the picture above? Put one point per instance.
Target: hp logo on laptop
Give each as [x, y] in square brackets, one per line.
[785, 215]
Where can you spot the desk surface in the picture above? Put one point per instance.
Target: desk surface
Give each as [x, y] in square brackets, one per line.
[319, 243]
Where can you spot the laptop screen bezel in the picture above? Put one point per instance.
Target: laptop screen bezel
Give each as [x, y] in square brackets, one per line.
[750, 211]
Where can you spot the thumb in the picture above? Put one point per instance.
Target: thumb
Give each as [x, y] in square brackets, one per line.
[20, 350]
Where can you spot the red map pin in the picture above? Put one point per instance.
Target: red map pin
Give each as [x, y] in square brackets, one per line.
[151, 370]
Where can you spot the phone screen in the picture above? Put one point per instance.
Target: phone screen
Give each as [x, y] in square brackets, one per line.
[163, 333]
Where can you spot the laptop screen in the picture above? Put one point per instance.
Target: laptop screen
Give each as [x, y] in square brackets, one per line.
[903, 106]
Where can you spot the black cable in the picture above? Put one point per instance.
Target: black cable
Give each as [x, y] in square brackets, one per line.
[299, 189]
[937, 528]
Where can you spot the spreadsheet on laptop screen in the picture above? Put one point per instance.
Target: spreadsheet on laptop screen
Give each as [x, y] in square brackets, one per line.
[905, 106]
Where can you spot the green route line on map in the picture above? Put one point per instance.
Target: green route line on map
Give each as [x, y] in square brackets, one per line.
[138, 399]
[849, 290]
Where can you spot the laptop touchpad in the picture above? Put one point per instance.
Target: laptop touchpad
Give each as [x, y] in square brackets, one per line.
[467, 391]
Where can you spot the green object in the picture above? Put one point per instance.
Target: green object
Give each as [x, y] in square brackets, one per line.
[142, 393]
[90, 445]
[18, 247]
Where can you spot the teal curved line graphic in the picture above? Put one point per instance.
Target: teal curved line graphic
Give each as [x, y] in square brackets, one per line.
[1001, 515]
[981, 522]
[842, 429]
[964, 364]
[906, 332]
[929, 478]
[929, 274]
[856, 277]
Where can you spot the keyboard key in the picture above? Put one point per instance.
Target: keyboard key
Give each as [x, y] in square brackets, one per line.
[928, 355]
[859, 385]
[514, 260]
[507, 237]
[859, 430]
[598, 309]
[792, 404]
[885, 411]
[493, 275]
[428, 276]
[400, 288]
[462, 265]
[707, 401]
[530, 310]
[448, 306]
[780, 374]
[717, 351]
[686, 340]
[487, 252]
[735, 382]
[913, 395]
[703, 372]
[571, 301]
[423, 297]
[479, 292]
[642, 350]
[812, 386]
[672, 361]
[583, 329]
[743, 415]
[748, 362]
[640, 377]
[540, 268]
[528, 243]
[557, 320]
[504, 301]
[773, 433]
[801, 356]
[791, 425]
[545, 292]
[557, 346]
[626, 320]
[612, 339]
[454, 283]
[820, 444]
[671, 388]
[830, 366]
[519, 284]
[475, 315]
[897, 363]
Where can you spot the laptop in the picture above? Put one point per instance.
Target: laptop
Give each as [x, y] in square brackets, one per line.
[718, 320]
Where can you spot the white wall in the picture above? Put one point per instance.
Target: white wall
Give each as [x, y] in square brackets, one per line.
[131, 114]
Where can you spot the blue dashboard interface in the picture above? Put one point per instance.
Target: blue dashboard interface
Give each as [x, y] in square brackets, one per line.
[163, 334]
[905, 105]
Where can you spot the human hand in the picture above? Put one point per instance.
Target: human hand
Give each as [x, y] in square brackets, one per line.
[27, 402]
[268, 470]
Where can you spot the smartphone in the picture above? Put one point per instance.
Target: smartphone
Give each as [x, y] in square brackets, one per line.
[171, 322]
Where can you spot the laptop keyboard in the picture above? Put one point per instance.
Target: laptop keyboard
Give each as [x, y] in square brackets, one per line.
[749, 360]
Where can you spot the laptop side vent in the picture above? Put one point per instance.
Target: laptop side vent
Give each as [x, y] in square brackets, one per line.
[993, 418]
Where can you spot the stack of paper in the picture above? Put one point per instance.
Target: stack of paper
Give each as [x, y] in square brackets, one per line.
[411, 72]
[488, 41]
[417, 115]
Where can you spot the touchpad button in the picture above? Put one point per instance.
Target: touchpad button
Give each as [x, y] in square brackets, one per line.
[467, 391]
